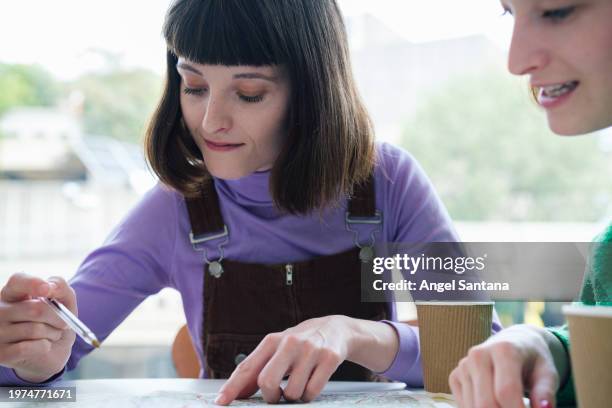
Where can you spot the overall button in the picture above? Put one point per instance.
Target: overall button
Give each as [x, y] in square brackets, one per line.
[215, 269]
[239, 358]
[366, 254]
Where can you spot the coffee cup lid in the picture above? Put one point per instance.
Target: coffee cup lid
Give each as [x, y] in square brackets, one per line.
[587, 310]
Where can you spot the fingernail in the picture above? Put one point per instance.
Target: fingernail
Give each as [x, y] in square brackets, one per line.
[53, 285]
[43, 288]
[545, 404]
[220, 400]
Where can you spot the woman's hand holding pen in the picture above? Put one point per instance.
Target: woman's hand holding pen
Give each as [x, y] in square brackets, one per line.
[309, 354]
[34, 341]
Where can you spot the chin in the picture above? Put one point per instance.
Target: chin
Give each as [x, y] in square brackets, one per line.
[565, 128]
[227, 173]
[574, 124]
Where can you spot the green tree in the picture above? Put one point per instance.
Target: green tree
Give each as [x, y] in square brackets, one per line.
[489, 153]
[118, 103]
[26, 85]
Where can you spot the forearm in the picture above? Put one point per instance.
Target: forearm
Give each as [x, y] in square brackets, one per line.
[373, 345]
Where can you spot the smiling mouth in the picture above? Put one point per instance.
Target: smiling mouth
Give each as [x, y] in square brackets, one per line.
[558, 90]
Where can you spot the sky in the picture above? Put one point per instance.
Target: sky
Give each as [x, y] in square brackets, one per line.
[61, 34]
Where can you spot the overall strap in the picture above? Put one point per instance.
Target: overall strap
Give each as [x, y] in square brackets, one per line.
[362, 204]
[204, 211]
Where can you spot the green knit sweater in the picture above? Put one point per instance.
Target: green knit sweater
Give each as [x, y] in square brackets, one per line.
[596, 290]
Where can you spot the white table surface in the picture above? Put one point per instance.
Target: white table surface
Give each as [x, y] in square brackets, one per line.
[188, 393]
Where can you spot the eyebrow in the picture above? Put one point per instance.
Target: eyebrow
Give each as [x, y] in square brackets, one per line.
[242, 75]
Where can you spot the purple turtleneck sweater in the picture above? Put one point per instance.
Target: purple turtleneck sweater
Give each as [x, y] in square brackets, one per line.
[150, 249]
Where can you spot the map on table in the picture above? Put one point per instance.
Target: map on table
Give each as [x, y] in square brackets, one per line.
[182, 399]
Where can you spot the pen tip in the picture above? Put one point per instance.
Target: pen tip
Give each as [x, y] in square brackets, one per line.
[95, 343]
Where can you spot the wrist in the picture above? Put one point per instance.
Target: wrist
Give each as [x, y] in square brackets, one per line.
[355, 337]
[30, 377]
[372, 344]
[559, 355]
[34, 377]
[538, 342]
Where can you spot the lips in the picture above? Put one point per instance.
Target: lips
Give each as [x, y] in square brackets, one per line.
[553, 95]
[557, 90]
[222, 146]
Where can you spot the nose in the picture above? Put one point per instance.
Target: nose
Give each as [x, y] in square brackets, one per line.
[216, 118]
[527, 51]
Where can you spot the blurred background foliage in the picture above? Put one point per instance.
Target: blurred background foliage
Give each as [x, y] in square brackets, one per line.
[491, 156]
[117, 103]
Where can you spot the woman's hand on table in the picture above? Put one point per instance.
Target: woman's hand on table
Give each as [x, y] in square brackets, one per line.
[34, 341]
[496, 372]
[309, 354]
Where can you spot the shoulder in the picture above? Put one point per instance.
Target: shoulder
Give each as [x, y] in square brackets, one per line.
[397, 168]
[602, 253]
[602, 246]
[605, 236]
[161, 193]
[156, 210]
[141, 244]
[160, 198]
[390, 156]
[408, 198]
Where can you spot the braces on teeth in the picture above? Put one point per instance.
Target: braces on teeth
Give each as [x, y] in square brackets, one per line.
[558, 90]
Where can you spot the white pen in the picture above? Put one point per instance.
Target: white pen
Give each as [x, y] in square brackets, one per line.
[75, 324]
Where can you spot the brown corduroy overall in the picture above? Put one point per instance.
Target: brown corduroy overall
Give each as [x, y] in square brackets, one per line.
[245, 301]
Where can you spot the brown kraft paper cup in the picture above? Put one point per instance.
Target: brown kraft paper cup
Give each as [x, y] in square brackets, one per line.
[447, 330]
[591, 353]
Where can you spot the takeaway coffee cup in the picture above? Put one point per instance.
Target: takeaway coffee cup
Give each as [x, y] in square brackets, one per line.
[591, 353]
[447, 330]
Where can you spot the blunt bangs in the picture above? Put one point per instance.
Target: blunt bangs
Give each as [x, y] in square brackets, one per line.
[222, 32]
[329, 144]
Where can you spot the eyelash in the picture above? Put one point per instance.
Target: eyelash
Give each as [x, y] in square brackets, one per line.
[245, 98]
[554, 15]
[558, 14]
[251, 99]
[193, 91]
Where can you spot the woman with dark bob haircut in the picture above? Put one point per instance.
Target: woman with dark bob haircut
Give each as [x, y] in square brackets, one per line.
[272, 194]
